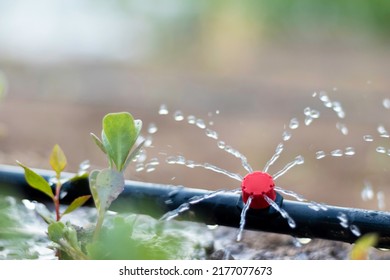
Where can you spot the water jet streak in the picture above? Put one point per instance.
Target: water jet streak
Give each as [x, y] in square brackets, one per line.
[282, 212]
[275, 156]
[242, 218]
[298, 160]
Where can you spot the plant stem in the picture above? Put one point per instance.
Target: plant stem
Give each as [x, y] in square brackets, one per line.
[99, 225]
[57, 198]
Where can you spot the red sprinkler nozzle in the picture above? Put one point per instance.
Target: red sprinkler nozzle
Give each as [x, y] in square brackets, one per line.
[257, 184]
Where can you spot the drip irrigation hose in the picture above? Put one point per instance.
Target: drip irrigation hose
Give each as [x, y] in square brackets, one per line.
[223, 208]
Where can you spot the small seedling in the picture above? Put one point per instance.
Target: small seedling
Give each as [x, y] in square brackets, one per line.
[58, 163]
[119, 134]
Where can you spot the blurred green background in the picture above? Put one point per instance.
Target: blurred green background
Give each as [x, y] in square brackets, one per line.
[257, 63]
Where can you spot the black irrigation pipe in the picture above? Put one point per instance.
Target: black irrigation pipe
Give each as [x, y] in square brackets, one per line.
[222, 209]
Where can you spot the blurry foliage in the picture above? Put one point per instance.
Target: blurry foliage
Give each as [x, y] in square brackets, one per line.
[269, 17]
[3, 85]
[345, 15]
[18, 238]
[361, 249]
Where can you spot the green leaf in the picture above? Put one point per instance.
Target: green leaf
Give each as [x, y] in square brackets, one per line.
[92, 186]
[36, 181]
[106, 185]
[76, 204]
[98, 143]
[362, 246]
[58, 159]
[70, 235]
[118, 136]
[56, 231]
[134, 154]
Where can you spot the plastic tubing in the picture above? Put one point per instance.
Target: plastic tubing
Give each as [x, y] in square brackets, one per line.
[222, 209]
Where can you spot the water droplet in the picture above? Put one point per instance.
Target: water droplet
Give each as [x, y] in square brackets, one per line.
[191, 119]
[190, 163]
[148, 141]
[154, 162]
[304, 241]
[382, 131]
[342, 127]
[328, 104]
[294, 123]
[291, 222]
[355, 230]
[221, 144]
[336, 153]
[315, 114]
[320, 154]
[341, 114]
[212, 227]
[152, 128]
[314, 94]
[217, 112]
[380, 196]
[343, 219]
[171, 160]
[163, 110]
[386, 103]
[28, 204]
[299, 160]
[139, 167]
[368, 138]
[381, 150]
[367, 192]
[314, 206]
[84, 166]
[142, 156]
[150, 169]
[178, 116]
[307, 111]
[211, 133]
[324, 97]
[349, 151]
[279, 148]
[308, 120]
[200, 123]
[286, 135]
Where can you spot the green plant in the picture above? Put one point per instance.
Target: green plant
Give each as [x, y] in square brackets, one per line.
[120, 236]
[58, 162]
[119, 134]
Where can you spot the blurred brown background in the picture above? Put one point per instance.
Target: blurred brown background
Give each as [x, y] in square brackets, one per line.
[258, 63]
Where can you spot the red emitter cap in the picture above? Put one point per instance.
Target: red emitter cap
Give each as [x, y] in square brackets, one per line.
[257, 184]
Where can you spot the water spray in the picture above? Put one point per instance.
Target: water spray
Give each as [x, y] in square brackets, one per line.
[223, 208]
